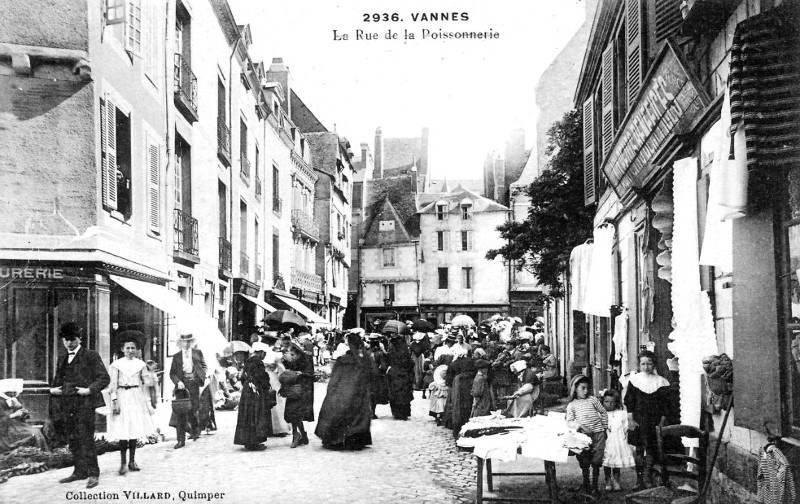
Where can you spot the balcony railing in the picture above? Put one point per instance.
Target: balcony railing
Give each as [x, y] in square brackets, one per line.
[305, 224]
[258, 186]
[244, 264]
[277, 205]
[185, 88]
[306, 281]
[185, 233]
[244, 168]
[223, 141]
[225, 255]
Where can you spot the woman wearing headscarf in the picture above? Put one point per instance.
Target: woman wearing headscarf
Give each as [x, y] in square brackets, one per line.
[14, 430]
[521, 401]
[345, 416]
[298, 389]
[401, 376]
[253, 424]
[461, 373]
[273, 362]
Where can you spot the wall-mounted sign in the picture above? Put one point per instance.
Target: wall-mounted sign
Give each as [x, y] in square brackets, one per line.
[31, 271]
[669, 102]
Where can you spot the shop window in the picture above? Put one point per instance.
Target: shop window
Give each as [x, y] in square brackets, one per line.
[790, 346]
[32, 344]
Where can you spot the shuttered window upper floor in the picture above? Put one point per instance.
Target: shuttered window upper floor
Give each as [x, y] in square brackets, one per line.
[633, 32]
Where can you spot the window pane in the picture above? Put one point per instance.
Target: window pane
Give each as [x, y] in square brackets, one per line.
[28, 344]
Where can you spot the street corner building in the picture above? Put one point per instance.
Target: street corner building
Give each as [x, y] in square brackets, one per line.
[157, 179]
[691, 153]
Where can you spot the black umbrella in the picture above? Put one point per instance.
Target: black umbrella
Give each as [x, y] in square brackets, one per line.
[283, 319]
[423, 325]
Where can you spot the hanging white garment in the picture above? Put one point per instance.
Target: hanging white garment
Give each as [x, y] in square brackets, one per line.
[620, 339]
[718, 235]
[693, 336]
[580, 260]
[600, 288]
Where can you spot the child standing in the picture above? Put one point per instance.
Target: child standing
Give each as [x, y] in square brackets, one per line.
[481, 393]
[618, 452]
[586, 414]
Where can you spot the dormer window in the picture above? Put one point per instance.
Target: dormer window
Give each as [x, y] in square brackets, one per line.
[466, 209]
[441, 210]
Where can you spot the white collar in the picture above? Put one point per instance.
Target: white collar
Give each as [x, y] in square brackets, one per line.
[74, 351]
[648, 383]
[128, 366]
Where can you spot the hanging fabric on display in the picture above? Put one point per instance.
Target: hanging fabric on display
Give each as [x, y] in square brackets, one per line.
[693, 336]
[764, 87]
[620, 339]
[600, 286]
[775, 478]
[580, 260]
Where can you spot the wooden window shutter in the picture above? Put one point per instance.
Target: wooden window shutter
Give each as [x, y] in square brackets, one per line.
[634, 24]
[154, 187]
[469, 240]
[608, 98]
[667, 20]
[446, 235]
[589, 191]
[108, 139]
[133, 27]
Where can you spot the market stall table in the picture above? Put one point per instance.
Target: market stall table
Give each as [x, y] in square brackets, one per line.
[540, 437]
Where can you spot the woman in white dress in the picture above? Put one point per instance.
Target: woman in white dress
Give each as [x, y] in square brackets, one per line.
[273, 361]
[130, 417]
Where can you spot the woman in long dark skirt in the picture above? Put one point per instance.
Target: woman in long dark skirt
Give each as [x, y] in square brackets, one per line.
[462, 370]
[379, 387]
[345, 416]
[299, 406]
[401, 378]
[254, 424]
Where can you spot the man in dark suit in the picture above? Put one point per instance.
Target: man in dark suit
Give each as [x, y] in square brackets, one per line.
[188, 373]
[80, 376]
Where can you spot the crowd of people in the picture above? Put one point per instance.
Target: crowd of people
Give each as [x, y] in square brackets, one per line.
[462, 372]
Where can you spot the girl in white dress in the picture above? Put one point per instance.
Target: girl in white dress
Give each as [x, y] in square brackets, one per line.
[618, 452]
[273, 361]
[130, 417]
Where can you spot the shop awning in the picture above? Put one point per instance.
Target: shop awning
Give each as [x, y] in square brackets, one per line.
[204, 328]
[263, 304]
[310, 316]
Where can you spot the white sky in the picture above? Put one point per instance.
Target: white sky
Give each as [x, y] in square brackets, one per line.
[470, 94]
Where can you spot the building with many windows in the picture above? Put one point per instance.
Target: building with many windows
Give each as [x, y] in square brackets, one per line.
[456, 231]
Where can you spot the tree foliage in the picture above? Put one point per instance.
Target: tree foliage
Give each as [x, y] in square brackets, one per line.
[557, 220]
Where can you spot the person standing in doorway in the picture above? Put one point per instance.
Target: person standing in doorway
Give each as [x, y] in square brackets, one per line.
[80, 376]
[188, 373]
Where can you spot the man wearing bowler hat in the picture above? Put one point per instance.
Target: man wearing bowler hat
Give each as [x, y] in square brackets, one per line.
[188, 373]
[80, 376]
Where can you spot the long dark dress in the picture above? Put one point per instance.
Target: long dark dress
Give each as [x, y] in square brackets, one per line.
[463, 373]
[254, 423]
[401, 376]
[345, 416]
[301, 409]
[418, 349]
[502, 379]
[647, 409]
[379, 386]
[15, 432]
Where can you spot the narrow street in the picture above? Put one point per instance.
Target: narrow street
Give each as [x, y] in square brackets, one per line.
[410, 461]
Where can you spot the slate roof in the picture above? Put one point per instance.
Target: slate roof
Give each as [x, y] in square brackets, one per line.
[454, 198]
[383, 210]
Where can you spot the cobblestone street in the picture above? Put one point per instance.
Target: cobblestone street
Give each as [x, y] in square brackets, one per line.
[410, 462]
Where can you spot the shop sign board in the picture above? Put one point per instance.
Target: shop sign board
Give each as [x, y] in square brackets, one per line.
[670, 100]
[26, 272]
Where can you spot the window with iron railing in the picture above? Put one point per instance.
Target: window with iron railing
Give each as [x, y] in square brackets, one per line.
[185, 232]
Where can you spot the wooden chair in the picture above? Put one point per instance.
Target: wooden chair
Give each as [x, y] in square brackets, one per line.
[674, 464]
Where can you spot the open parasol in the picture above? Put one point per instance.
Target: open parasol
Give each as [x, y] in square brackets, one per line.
[283, 319]
[462, 321]
[237, 346]
[423, 325]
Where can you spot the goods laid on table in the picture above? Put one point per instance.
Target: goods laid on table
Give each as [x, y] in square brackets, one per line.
[544, 437]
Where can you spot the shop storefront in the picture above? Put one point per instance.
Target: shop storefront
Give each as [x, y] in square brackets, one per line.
[37, 298]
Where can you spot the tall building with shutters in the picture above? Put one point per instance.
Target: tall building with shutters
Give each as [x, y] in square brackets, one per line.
[691, 150]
